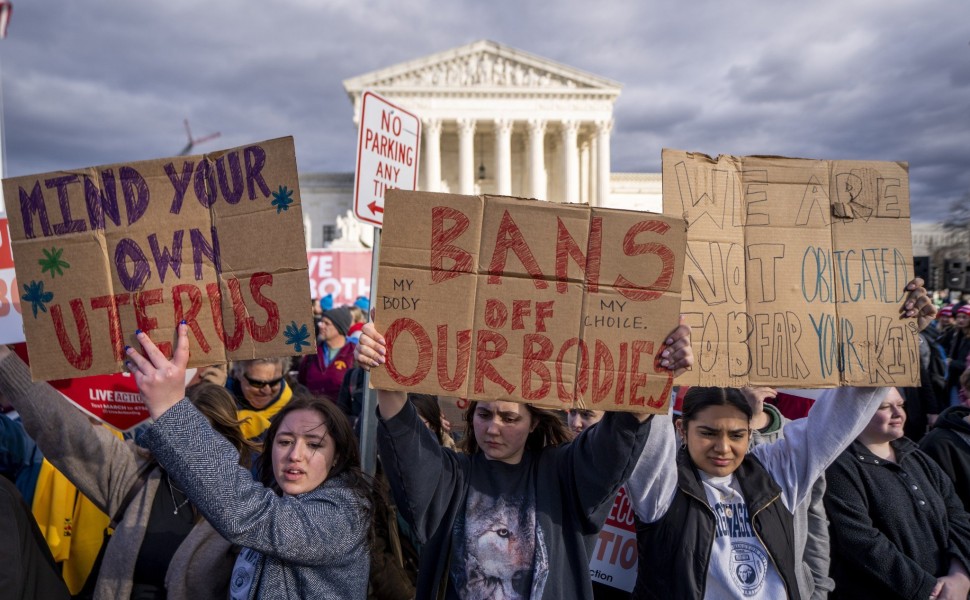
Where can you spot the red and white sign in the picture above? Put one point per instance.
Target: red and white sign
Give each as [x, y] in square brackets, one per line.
[11, 321]
[614, 561]
[344, 274]
[112, 399]
[387, 155]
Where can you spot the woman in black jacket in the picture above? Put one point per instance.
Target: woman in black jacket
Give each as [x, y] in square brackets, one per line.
[898, 529]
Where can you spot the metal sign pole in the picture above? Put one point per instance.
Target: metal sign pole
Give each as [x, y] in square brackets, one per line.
[368, 414]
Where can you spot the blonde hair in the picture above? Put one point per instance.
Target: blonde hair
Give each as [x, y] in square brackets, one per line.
[356, 314]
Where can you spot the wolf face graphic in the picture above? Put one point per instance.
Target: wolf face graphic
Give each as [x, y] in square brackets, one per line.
[501, 557]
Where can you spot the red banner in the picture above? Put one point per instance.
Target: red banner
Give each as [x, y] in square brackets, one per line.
[344, 274]
[11, 323]
[614, 561]
[112, 399]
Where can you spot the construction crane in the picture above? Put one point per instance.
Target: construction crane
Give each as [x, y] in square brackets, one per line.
[193, 142]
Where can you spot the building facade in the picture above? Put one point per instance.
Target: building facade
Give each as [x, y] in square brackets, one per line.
[495, 120]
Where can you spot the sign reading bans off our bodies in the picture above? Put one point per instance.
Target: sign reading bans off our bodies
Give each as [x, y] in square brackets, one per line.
[497, 298]
[215, 240]
[795, 270]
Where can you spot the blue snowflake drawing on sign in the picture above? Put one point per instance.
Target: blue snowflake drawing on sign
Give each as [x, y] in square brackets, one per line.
[297, 337]
[282, 199]
[36, 295]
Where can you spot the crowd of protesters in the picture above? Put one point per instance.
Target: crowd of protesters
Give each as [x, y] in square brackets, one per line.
[248, 484]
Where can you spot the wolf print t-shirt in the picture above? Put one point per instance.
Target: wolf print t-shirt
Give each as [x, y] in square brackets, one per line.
[740, 566]
[498, 549]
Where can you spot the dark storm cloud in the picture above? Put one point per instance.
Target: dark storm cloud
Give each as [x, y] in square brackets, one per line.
[93, 82]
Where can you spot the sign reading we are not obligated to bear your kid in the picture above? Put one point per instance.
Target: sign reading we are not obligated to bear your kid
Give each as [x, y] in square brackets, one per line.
[215, 240]
[795, 270]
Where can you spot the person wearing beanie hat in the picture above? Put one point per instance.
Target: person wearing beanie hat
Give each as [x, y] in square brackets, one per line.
[340, 318]
[323, 372]
[363, 303]
[944, 318]
[956, 343]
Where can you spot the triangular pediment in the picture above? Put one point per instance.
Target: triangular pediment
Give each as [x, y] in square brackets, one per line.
[481, 65]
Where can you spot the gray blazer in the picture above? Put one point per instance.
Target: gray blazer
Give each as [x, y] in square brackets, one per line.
[314, 545]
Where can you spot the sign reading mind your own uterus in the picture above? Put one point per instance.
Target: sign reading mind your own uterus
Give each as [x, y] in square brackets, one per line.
[215, 240]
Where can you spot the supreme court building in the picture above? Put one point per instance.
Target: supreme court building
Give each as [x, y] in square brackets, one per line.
[495, 120]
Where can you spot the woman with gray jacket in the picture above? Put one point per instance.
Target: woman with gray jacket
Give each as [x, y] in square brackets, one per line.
[304, 527]
[160, 548]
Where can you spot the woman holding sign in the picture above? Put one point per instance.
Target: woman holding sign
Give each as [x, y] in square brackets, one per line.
[160, 547]
[518, 517]
[304, 526]
[717, 515]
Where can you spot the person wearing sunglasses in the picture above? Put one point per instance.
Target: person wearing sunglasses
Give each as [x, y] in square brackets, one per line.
[260, 390]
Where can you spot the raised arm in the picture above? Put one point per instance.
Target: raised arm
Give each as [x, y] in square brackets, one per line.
[653, 479]
[320, 527]
[424, 477]
[811, 444]
[422, 474]
[595, 464]
[370, 353]
[102, 466]
[653, 483]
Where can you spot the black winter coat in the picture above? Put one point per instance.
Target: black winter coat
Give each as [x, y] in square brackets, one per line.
[688, 528]
[894, 525]
[945, 445]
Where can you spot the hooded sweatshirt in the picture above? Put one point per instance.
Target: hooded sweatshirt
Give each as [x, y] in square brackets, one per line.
[948, 443]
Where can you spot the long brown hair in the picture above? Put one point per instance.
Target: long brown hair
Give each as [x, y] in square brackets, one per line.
[549, 430]
[218, 406]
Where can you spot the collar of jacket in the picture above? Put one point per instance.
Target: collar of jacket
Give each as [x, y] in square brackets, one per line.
[953, 418]
[756, 484]
[901, 447]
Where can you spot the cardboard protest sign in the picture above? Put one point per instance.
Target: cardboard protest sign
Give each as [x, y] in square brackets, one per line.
[497, 298]
[795, 270]
[215, 240]
[11, 321]
[614, 560]
[344, 274]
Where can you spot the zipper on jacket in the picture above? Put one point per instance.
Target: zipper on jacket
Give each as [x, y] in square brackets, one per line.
[707, 559]
[767, 551]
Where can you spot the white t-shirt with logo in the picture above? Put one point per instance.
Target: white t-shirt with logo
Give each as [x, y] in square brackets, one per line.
[242, 574]
[740, 566]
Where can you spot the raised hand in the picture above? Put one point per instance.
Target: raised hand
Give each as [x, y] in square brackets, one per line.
[918, 305]
[677, 354]
[161, 381]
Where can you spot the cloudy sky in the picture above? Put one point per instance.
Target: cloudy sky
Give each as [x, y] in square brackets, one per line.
[90, 82]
